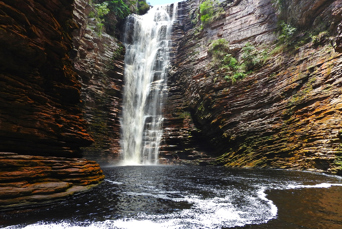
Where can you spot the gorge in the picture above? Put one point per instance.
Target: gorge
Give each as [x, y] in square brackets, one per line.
[250, 84]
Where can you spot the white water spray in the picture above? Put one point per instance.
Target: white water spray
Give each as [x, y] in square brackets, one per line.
[148, 43]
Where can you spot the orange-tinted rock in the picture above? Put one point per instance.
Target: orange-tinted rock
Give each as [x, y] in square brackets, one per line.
[40, 92]
[30, 183]
[98, 59]
[285, 115]
[40, 110]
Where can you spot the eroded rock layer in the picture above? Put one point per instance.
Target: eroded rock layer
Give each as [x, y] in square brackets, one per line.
[286, 114]
[27, 180]
[40, 92]
[98, 58]
[40, 117]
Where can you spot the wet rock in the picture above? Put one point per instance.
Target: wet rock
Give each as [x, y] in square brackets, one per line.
[40, 92]
[28, 180]
[40, 117]
[98, 59]
[283, 115]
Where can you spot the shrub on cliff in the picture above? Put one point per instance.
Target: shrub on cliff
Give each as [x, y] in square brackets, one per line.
[234, 69]
[120, 8]
[252, 58]
[210, 10]
[286, 32]
[143, 7]
[223, 59]
[109, 13]
[101, 11]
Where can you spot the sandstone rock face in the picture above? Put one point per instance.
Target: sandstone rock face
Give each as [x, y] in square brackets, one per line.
[286, 114]
[309, 13]
[98, 59]
[39, 105]
[337, 15]
[29, 180]
[40, 92]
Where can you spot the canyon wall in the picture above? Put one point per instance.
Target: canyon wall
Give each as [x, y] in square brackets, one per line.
[61, 84]
[98, 59]
[284, 114]
[42, 128]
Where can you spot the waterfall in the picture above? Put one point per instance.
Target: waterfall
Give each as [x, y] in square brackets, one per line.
[148, 42]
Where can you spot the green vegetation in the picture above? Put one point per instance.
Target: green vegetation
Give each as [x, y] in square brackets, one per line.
[120, 8]
[252, 58]
[286, 32]
[109, 13]
[194, 16]
[234, 69]
[210, 10]
[319, 38]
[291, 39]
[143, 7]
[118, 52]
[185, 115]
[101, 11]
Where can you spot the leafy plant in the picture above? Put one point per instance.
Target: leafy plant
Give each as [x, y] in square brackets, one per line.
[107, 13]
[223, 59]
[102, 9]
[91, 14]
[218, 48]
[120, 8]
[286, 32]
[210, 11]
[194, 16]
[252, 58]
[143, 7]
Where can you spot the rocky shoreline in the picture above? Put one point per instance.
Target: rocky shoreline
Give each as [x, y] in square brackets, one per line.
[27, 180]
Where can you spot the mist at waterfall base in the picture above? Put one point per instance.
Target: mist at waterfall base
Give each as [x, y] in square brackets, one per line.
[194, 197]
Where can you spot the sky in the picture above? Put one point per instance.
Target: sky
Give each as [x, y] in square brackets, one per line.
[161, 2]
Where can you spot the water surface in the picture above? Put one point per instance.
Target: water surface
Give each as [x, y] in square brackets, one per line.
[195, 197]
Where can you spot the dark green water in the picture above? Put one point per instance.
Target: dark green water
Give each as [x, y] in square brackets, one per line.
[195, 197]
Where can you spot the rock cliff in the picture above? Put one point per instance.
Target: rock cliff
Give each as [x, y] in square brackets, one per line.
[98, 59]
[284, 114]
[40, 116]
[27, 180]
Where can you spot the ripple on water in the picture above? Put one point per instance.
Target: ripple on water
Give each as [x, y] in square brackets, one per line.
[189, 197]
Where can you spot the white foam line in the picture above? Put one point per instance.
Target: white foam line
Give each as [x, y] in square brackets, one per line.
[262, 195]
[114, 182]
[322, 185]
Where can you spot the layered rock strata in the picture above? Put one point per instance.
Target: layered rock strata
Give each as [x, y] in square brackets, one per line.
[27, 180]
[40, 92]
[98, 59]
[285, 114]
[40, 117]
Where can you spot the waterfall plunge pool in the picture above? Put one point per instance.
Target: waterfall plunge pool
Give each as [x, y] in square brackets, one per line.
[194, 197]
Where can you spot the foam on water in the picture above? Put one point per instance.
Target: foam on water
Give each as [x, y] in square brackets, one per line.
[322, 185]
[214, 212]
[210, 205]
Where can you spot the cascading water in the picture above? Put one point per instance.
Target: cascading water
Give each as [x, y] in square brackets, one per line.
[148, 43]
